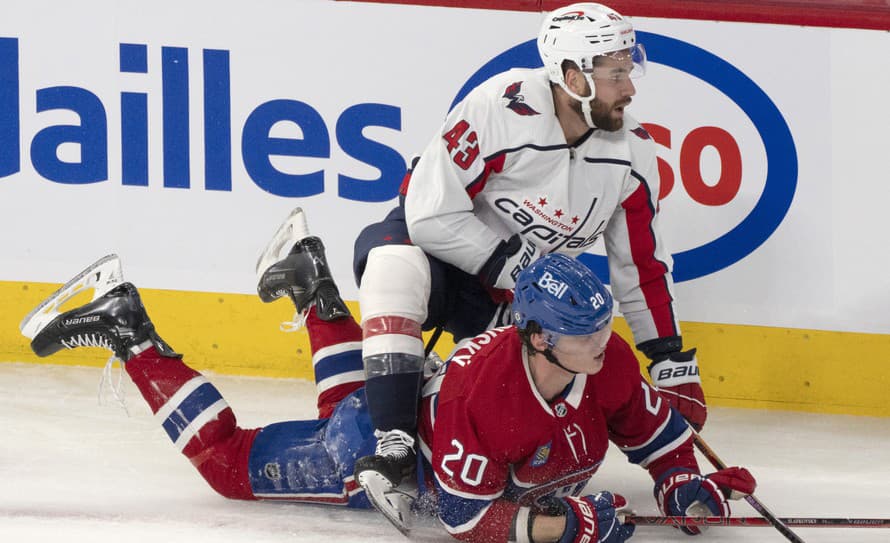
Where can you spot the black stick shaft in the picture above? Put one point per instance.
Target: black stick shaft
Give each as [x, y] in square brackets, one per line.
[757, 522]
[758, 506]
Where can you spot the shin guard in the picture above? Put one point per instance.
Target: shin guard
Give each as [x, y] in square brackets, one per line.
[393, 296]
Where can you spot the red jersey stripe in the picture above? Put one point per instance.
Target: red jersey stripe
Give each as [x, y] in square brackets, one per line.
[494, 164]
[653, 282]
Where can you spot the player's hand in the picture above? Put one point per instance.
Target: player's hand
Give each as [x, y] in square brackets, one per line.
[682, 492]
[675, 373]
[592, 518]
[508, 259]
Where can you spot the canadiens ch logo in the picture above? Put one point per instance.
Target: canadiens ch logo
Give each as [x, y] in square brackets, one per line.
[541, 456]
[560, 409]
[517, 101]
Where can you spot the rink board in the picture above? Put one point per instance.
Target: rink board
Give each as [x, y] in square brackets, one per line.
[742, 366]
[179, 139]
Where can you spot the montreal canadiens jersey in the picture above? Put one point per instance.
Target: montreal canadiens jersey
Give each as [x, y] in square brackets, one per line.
[497, 449]
[501, 166]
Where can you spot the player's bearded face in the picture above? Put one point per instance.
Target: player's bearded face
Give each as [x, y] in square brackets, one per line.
[614, 89]
[607, 115]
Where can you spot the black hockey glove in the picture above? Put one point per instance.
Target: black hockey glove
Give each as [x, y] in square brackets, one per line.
[508, 259]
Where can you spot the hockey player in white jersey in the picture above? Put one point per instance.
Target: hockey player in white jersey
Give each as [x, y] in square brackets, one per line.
[532, 161]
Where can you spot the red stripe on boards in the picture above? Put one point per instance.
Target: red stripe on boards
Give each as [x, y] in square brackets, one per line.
[862, 14]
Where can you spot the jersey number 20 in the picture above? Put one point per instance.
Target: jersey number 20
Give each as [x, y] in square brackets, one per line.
[473, 465]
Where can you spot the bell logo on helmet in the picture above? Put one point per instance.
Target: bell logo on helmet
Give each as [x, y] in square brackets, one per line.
[552, 285]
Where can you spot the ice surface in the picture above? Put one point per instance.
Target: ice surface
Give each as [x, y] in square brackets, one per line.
[74, 471]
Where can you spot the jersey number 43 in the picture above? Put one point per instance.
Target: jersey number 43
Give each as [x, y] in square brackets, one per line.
[462, 145]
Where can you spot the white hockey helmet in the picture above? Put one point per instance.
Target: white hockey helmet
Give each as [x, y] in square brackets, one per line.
[582, 32]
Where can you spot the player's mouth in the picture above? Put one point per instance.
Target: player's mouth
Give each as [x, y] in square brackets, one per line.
[620, 107]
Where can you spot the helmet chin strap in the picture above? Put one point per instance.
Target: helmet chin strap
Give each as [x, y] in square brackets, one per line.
[548, 354]
[585, 100]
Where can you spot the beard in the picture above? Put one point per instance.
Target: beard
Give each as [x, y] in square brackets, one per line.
[601, 113]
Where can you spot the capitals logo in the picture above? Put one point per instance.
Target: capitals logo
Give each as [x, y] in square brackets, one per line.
[517, 101]
[641, 132]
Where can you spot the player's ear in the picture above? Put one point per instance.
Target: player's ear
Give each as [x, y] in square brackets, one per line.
[575, 81]
[539, 341]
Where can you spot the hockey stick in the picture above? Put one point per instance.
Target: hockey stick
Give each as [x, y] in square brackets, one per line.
[774, 521]
[431, 344]
[758, 522]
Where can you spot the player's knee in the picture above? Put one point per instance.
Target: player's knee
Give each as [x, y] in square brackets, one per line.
[224, 465]
[390, 231]
[396, 282]
[393, 298]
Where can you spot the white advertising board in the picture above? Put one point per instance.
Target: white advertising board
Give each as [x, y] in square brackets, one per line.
[179, 135]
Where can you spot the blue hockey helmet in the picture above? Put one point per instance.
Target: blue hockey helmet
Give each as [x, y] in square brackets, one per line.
[563, 296]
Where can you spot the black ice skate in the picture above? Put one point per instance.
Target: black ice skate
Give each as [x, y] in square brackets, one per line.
[115, 319]
[386, 477]
[303, 274]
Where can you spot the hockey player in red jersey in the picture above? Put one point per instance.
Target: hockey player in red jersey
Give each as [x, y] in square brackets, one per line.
[518, 420]
[512, 426]
[530, 162]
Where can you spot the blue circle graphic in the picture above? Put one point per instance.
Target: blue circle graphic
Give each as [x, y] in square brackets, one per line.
[781, 154]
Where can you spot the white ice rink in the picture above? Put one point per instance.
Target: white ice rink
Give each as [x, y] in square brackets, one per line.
[74, 471]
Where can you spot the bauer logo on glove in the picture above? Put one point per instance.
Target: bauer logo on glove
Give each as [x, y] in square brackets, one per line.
[676, 375]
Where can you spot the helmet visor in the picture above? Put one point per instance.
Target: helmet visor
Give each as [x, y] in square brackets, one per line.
[620, 65]
[588, 343]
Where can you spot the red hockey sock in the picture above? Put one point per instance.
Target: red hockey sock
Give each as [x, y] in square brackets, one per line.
[198, 420]
[336, 359]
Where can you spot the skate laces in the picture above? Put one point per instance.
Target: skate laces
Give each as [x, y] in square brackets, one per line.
[298, 322]
[88, 340]
[107, 383]
[394, 444]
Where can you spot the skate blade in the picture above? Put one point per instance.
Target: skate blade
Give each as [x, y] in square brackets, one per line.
[394, 505]
[103, 275]
[293, 229]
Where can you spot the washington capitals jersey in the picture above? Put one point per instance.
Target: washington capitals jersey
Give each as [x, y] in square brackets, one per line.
[501, 166]
[497, 448]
